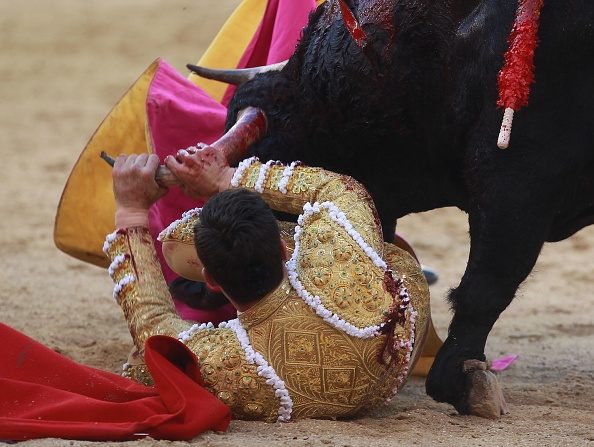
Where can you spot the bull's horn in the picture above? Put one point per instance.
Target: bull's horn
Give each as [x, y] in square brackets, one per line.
[248, 129]
[235, 76]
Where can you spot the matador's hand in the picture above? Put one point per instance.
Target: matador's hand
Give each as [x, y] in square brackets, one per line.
[203, 172]
[134, 184]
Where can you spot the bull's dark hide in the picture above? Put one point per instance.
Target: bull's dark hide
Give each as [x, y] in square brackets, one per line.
[413, 116]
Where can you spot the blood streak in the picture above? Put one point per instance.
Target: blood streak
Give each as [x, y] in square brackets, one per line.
[379, 13]
[249, 128]
[352, 25]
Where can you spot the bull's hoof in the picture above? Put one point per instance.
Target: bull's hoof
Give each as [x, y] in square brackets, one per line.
[485, 398]
[457, 378]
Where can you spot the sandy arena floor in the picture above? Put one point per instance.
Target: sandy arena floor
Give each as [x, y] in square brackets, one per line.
[65, 63]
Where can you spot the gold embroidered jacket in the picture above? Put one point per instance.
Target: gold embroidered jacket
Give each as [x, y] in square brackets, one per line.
[340, 333]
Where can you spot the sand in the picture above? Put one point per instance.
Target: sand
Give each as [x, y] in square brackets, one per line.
[66, 62]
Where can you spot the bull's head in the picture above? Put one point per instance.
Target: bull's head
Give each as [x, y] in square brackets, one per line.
[351, 85]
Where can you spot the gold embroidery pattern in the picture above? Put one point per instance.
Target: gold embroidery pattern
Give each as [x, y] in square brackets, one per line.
[265, 307]
[302, 347]
[182, 232]
[146, 302]
[287, 232]
[331, 265]
[301, 188]
[251, 176]
[120, 247]
[308, 184]
[353, 205]
[274, 178]
[139, 373]
[228, 375]
[327, 373]
[301, 182]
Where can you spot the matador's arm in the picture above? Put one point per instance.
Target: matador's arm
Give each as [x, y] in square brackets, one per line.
[140, 288]
[289, 188]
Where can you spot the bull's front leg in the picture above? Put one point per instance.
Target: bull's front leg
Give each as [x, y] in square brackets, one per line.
[507, 234]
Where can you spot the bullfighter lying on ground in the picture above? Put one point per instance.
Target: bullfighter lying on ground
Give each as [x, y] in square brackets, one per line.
[333, 332]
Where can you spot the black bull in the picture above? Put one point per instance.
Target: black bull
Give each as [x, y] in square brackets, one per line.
[412, 114]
